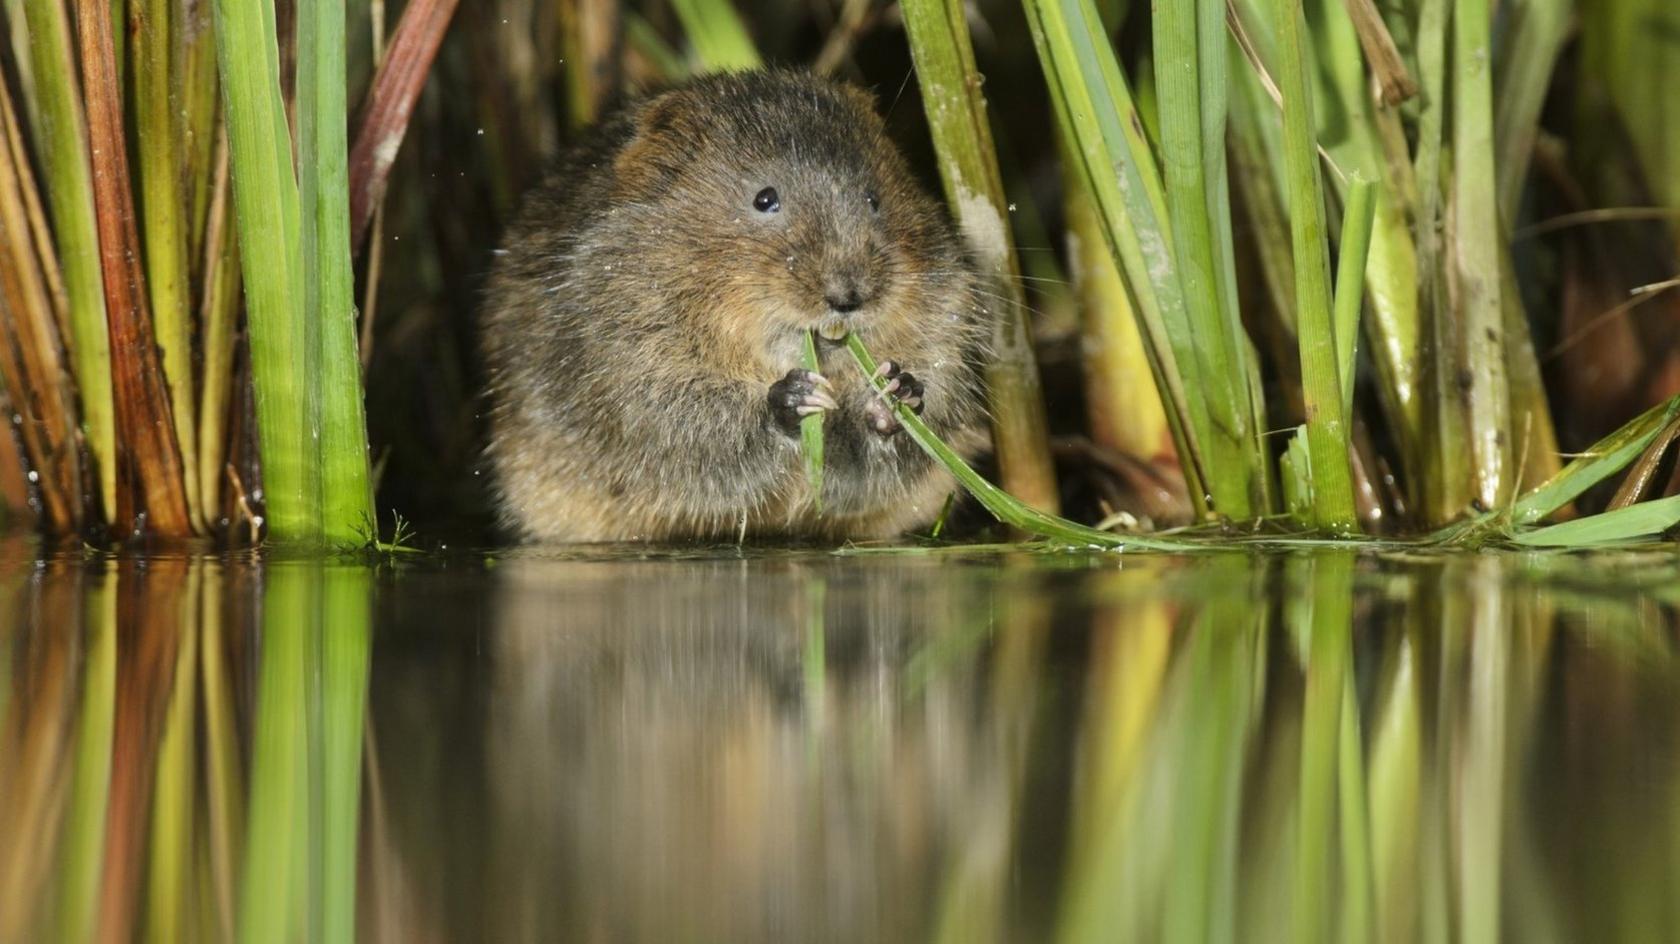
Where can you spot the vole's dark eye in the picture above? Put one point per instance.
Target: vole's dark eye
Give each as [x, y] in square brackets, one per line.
[874, 201]
[767, 201]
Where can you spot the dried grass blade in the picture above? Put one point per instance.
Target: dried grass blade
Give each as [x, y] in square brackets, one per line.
[390, 104]
[36, 380]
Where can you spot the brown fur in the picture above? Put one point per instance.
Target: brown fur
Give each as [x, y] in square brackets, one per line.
[641, 309]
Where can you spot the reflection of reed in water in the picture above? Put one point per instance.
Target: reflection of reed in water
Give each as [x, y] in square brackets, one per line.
[140, 806]
[1313, 747]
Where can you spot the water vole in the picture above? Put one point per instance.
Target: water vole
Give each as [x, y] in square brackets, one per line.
[644, 323]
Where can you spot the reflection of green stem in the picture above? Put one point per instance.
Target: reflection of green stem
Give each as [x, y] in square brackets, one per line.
[273, 853]
[172, 841]
[346, 639]
[221, 765]
[1353, 810]
[816, 650]
[1327, 663]
[1481, 774]
[90, 788]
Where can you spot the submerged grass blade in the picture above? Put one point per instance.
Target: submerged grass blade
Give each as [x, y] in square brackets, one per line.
[968, 166]
[328, 282]
[63, 149]
[811, 431]
[1003, 506]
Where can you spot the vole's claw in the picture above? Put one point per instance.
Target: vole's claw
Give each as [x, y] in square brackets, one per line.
[800, 394]
[901, 387]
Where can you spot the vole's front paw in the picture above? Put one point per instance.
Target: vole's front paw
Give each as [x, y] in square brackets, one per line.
[901, 387]
[798, 395]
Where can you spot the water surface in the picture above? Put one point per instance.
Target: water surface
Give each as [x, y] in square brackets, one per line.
[797, 746]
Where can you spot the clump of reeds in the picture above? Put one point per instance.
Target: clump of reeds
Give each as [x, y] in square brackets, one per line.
[1294, 228]
[217, 209]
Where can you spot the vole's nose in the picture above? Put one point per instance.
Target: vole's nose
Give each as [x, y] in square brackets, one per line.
[845, 294]
[845, 302]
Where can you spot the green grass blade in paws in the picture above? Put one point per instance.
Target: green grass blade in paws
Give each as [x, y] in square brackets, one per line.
[811, 431]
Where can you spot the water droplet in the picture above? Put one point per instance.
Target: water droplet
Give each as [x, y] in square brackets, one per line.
[1011, 206]
[34, 476]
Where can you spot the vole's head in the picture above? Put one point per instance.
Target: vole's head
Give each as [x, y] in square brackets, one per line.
[783, 201]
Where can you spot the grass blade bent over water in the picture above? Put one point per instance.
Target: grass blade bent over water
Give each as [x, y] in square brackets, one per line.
[1003, 506]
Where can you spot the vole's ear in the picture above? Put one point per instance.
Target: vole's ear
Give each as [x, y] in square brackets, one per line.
[659, 148]
[861, 97]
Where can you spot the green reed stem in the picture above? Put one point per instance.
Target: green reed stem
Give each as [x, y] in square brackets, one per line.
[1190, 78]
[968, 166]
[284, 350]
[1476, 248]
[1113, 155]
[163, 226]
[328, 280]
[1321, 385]
[1357, 218]
[64, 162]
